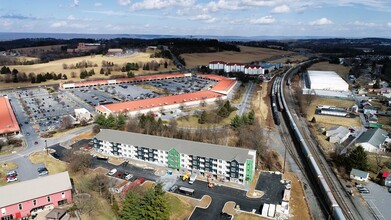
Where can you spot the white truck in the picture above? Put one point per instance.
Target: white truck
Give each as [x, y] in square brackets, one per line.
[193, 177]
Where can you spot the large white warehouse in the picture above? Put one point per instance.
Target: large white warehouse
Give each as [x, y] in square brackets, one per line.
[326, 80]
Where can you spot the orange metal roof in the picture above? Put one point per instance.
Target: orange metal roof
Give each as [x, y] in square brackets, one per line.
[211, 76]
[156, 102]
[224, 85]
[8, 122]
[137, 78]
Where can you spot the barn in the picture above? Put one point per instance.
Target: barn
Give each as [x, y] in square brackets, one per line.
[326, 80]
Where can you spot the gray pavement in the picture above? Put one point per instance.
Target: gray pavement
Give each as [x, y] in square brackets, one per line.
[378, 200]
[27, 170]
[246, 101]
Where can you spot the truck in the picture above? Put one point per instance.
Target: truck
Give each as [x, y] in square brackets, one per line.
[193, 177]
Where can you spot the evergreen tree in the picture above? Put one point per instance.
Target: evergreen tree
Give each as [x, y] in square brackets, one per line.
[32, 79]
[251, 117]
[236, 122]
[102, 71]
[100, 119]
[358, 159]
[64, 76]
[165, 65]
[110, 121]
[131, 207]
[120, 121]
[203, 118]
[245, 120]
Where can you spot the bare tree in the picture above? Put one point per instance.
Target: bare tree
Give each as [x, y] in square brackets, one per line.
[73, 74]
[67, 122]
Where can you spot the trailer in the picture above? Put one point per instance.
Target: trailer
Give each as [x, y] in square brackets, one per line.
[193, 177]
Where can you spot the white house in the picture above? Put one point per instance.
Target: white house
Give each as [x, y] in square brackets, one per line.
[359, 175]
[253, 70]
[217, 65]
[234, 67]
[82, 114]
[373, 140]
[337, 134]
[370, 110]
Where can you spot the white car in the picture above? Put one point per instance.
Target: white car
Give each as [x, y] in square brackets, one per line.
[129, 176]
[112, 172]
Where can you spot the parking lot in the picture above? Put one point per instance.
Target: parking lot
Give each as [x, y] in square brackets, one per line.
[46, 109]
[378, 200]
[183, 85]
[130, 92]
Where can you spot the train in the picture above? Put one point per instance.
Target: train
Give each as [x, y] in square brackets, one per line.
[274, 102]
[333, 206]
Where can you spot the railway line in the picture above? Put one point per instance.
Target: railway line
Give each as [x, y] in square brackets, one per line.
[332, 191]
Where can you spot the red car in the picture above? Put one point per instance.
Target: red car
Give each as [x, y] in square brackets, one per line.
[36, 142]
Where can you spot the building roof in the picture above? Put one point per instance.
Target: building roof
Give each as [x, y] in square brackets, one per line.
[217, 62]
[56, 214]
[35, 188]
[156, 102]
[253, 67]
[224, 86]
[8, 122]
[212, 77]
[326, 80]
[183, 146]
[235, 64]
[81, 111]
[339, 131]
[359, 173]
[267, 65]
[375, 137]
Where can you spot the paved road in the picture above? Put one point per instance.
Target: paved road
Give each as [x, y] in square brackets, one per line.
[246, 101]
[378, 200]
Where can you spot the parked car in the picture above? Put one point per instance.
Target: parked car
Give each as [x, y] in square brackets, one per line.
[112, 172]
[11, 178]
[128, 176]
[173, 188]
[42, 171]
[12, 172]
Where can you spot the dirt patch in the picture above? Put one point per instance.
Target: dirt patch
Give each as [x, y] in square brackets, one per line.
[298, 204]
[248, 216]
[342, 70]
[261, 104]
[246, 55]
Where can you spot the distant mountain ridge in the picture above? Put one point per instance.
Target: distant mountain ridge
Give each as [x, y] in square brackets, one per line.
[5, 36]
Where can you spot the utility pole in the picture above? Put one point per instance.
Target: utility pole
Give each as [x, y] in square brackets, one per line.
[46, 146]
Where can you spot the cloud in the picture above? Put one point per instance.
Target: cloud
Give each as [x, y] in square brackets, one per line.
[223, 5]
[6, 23]
[159, 4]
[124, 2]
[75, 3]
[114, 27]
[322, 21]
[389, 24]
[281, 9]
[263, 20]
[108, 12]
[71, 17]
[266, 3]
[59, 24]
[365, 24]
[17, 17]
[204, 17]
[98, 4]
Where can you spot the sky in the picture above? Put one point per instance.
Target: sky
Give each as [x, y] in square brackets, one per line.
[326, 18]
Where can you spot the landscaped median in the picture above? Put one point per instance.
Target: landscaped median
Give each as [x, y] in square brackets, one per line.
[202, 203]
[229, 208]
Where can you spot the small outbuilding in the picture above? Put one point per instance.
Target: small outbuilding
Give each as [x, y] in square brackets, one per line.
[56, 214]
[359, 175]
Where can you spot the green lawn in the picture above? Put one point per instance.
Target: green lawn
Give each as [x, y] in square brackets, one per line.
[192, 121]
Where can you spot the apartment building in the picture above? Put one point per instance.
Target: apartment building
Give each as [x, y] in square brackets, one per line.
[225, 163]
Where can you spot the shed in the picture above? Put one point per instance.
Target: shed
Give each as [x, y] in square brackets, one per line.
[359, 175]
[338, 134]
[56, 214]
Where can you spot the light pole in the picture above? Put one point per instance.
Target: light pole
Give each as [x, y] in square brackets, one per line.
[46, 146]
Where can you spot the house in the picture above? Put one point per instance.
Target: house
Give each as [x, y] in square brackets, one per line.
[372, 140]
[372, 119]
[56, 214]
[359, 175]
[234, 67]
[236, 165]
[82, 114]
[253, 70]
[28, 197]
[337, 134]
[114, 52]
[370, 110]
[217, 65]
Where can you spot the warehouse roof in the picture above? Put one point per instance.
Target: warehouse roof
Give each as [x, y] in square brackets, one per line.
[359, 173]
[224, 86]
[35, 188]
[326, 80]
[156, 102]
[182, 146]
[8, 122]
[375, 137]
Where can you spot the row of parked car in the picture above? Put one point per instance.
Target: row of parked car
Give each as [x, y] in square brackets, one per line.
[121, 175]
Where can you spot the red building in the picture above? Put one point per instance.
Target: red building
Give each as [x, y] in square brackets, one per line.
[23, 199]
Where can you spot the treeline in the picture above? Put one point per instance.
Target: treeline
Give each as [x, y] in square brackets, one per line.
[8, 76]
[278, 45]
[80, 65]
[218, 115]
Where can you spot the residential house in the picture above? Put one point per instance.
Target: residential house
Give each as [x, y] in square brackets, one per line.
[253, 70]
[359, 175]
[373, 140]
[217, 65]
[370, 110]
[234, 67]
[224, 163]
[338, 134]
[25, 198]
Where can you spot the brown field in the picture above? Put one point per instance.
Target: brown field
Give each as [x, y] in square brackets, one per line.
[41, 49]
[53, 165]
[343, 71]
[293, 58]
[57, 67]
[298, 204]
[246, 55]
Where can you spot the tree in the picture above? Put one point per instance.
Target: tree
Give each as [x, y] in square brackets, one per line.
[165, 65]
[102, 71]
[236, 122]
[66, 122]
[131, 206]
[78, 162]
[203, 118]
[358, 159]
[251, 117]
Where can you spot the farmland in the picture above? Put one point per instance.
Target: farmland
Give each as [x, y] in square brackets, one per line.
[343, 71]
[246, 55]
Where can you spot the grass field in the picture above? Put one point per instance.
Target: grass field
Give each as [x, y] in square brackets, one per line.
[246, 55]
[4, 167]
[179, 209]
[192, 122]
[342, 70]
[54, 166]
[293, 58]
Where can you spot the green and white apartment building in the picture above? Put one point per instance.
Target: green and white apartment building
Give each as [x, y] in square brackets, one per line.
[225, 163]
